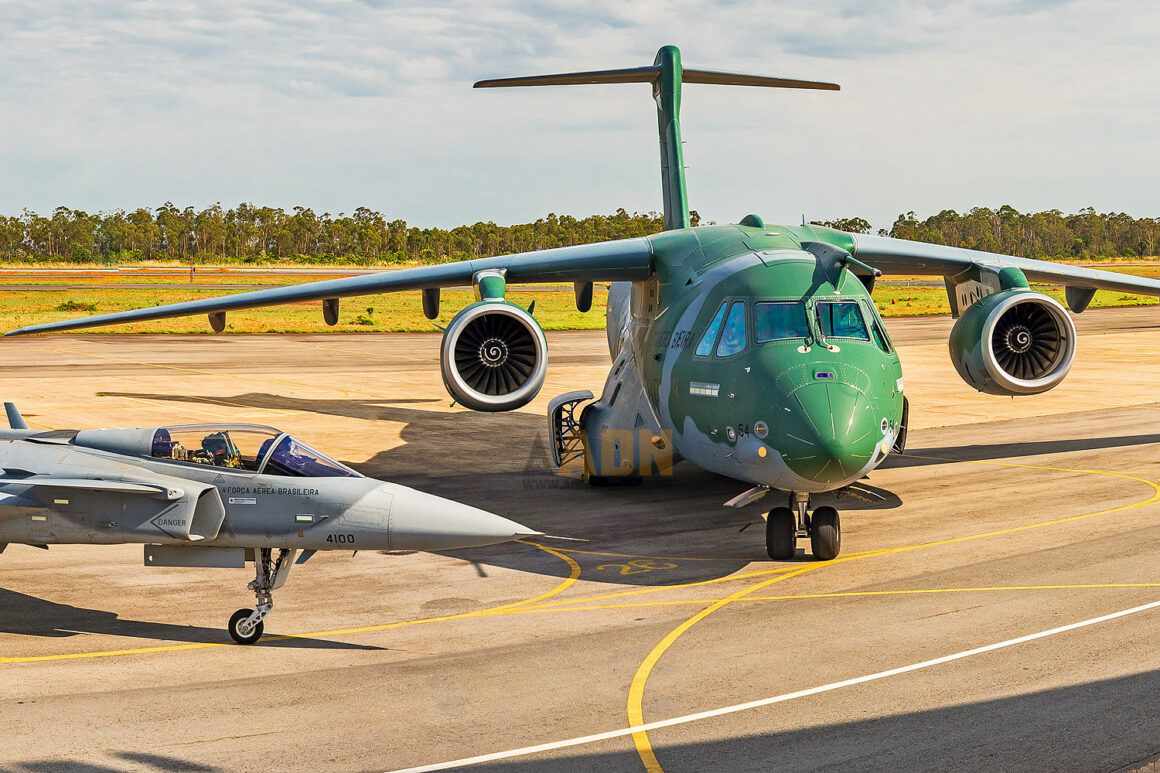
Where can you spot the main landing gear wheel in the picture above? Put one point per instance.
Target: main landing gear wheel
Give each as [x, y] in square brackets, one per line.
[825, 533]
[242, 630]
[781, 534]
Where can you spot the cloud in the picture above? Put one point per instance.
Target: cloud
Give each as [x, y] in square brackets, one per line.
[337, 104]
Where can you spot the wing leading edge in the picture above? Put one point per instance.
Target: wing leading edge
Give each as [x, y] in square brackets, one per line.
[627, 259]
[899, 256]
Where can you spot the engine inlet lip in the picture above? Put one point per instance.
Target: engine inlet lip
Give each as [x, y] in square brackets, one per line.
[469, 395]
[1063, 359]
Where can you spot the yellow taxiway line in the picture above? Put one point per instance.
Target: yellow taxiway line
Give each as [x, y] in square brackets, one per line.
[573, 577]
[636, 690]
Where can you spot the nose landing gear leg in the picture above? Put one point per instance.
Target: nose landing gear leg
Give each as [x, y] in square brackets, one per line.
[246, 624]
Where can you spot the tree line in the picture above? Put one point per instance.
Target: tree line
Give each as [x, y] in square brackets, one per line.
[251, 234]
[1006, 230]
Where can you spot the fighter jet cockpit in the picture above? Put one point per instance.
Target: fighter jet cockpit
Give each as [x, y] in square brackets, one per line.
[252, 448]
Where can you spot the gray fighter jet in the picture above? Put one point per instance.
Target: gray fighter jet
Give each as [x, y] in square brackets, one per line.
[217, 496]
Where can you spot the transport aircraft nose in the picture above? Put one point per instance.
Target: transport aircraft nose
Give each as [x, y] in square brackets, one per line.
[420, 521]
[831, 432]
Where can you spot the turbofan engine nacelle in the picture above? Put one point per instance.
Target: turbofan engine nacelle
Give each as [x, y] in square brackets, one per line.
[1015, 342]
[494, 356]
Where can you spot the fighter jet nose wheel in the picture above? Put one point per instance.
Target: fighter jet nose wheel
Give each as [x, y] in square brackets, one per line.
[242, 630]
[270, 574]
[825, 533]
[781, 534]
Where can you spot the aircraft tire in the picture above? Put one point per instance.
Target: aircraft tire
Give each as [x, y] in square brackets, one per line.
[825, 533]
[237, 618]
[781, 534]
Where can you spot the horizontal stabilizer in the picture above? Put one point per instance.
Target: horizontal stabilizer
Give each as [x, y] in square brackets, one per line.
[666, 75]
[623, 75]
[740, 79]
[650, 74]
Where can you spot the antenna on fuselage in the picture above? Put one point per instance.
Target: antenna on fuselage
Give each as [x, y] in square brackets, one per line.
[666, 76]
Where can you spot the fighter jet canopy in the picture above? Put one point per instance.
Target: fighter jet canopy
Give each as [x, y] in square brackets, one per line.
[251, 447]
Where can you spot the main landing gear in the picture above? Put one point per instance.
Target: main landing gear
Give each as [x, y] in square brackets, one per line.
[784, 525]
[246, 624]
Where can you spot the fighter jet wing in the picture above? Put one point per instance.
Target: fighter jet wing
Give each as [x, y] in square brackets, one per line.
[601, 262]
[92, 484]
[900, 256]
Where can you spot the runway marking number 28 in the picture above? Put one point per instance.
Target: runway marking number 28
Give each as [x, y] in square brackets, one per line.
[340, 539]
[638, 566]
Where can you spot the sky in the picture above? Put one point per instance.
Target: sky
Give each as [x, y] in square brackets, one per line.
[334, 105]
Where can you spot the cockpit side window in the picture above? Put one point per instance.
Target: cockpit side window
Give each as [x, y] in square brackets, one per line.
[705, 347]
[878, 328]
[842, 319]
[734, 337]
[296, 459]
[776, 321]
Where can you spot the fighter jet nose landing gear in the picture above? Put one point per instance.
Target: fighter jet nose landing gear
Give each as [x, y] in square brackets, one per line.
[784, 525]
[246, 625]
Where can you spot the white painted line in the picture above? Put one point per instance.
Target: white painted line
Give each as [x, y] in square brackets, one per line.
[789, 696]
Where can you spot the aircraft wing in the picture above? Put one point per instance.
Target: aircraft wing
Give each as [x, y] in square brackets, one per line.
[899, 256]
[625, 259]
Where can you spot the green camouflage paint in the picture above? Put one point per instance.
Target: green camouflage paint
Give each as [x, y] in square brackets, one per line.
[828, 407]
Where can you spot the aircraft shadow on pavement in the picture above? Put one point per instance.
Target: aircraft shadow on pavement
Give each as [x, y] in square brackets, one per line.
[28, 615]
[1102, 725]
[921, 457]
[667, 530]
[138, 760]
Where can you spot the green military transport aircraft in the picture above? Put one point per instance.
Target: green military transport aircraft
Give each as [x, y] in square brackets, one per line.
[752, 350]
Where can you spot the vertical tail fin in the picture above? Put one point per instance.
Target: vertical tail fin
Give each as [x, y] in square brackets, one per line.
[15, 420]
[666, 76]
[667, 94]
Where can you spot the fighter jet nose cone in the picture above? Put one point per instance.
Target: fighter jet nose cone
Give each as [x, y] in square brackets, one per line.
[420, 521]
[834, 433]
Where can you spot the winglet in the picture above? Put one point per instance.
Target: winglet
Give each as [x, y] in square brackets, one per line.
[15, 420]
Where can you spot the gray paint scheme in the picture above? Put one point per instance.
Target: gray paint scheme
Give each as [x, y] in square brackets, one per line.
[628, 259]
[101, 487]
[902, 256]
[106, 486]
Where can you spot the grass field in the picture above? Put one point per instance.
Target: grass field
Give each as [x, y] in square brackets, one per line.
[35, 299]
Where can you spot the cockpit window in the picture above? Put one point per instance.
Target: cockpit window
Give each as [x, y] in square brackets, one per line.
[877, 327]
[733, 339]
[776, 321]
[297, 459]
[705, 347]
[842, 319]
[240, 448]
